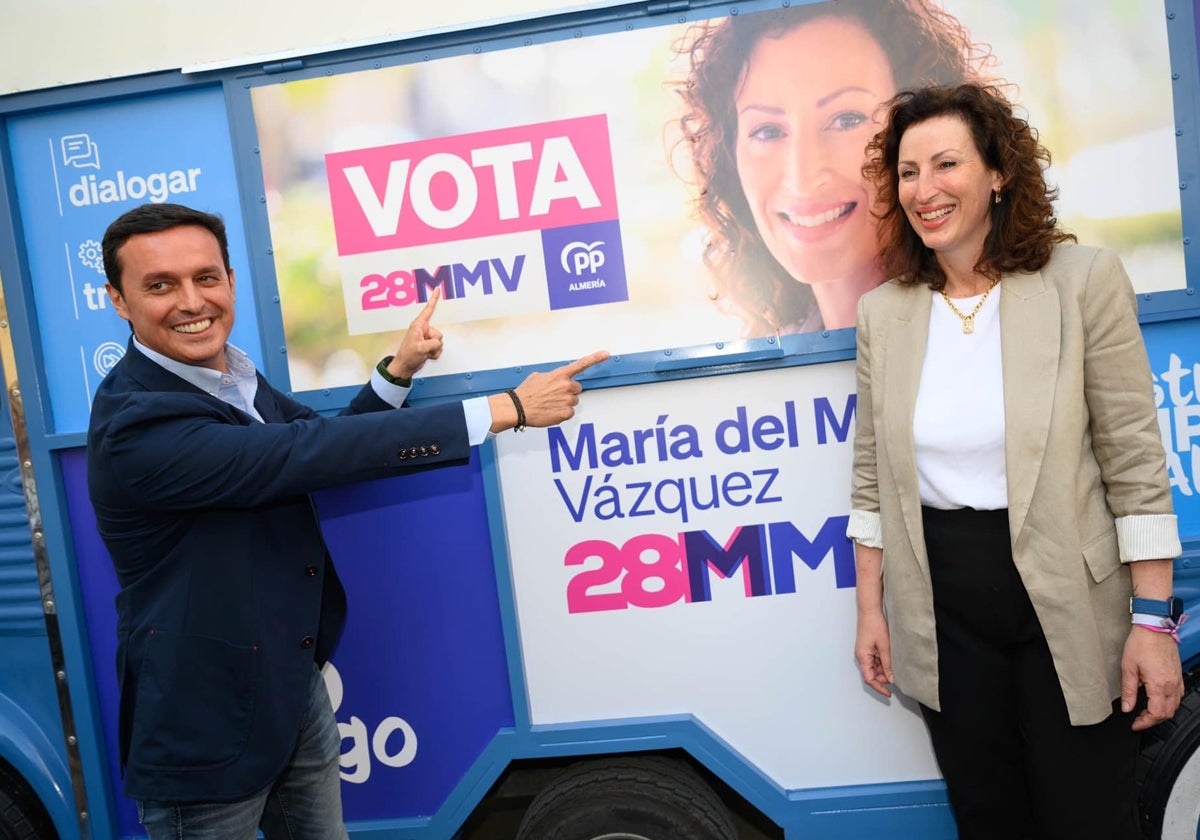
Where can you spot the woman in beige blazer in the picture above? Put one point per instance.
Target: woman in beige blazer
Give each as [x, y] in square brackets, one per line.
[1009, 490]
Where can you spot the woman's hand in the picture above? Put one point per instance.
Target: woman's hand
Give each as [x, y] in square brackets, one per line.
[873, 650]
[1151, 659]
[873, 645]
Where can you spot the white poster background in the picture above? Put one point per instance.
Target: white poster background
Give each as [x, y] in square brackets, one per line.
[530, 294]
[773, 675]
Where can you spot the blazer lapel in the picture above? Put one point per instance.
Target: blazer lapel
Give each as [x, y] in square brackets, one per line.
[1030, 338]
[151, 375]
[903, 356]
[265, 403]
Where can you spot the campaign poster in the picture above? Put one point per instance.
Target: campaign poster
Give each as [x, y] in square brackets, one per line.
[675, 185]
[76, 170]
[1175, 366]
[682, 549]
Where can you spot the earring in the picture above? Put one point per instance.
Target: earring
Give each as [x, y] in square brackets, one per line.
[996, 200]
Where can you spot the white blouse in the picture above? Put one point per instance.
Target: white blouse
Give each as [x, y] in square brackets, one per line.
[958, 424]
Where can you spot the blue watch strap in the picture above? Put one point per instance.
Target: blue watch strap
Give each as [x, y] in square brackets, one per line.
[1170, 608]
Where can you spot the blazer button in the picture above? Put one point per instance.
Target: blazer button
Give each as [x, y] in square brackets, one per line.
[306, 642]
[403, 454]
[413, 453]
[424, 451]
[311, 571]
[435, 449]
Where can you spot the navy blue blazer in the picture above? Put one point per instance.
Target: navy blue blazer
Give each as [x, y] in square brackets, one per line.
[228, 594]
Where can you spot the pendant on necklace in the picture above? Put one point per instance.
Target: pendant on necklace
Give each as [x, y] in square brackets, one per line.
[968, 324]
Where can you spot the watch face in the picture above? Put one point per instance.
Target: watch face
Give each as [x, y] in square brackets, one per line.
[1176, 606]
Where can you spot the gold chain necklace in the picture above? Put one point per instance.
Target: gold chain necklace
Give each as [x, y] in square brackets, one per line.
[968, 321]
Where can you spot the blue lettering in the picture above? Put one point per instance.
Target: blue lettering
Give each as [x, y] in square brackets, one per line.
[787, 541]
[576, 512]
[823, 412]
[427, 282]
[509, 280]
[616, 450]
[644, 487]
[585, 445]
[746, 548]
[736, 482]
[762, 498]
[741, 442]
[479, 275]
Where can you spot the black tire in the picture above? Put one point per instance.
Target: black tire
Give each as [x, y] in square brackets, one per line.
[1169, 772]
[627, 798]
[22, 816]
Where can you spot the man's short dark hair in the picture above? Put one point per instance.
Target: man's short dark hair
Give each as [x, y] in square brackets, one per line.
[152, 218]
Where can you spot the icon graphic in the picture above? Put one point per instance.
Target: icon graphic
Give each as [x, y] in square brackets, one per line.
[79, 151]
[585, 265]
[106, 356]
[578, 257]
[91, 255]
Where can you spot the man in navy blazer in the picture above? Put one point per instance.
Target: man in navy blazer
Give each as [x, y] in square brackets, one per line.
[199, 472]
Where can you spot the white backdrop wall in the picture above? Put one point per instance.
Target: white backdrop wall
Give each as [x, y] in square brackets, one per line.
[50, 43]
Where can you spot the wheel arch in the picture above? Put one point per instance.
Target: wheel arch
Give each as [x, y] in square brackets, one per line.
[33, 758]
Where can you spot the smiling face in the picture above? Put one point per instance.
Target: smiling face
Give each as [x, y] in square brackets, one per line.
[946, 189]
[804, 112]
[177, 294]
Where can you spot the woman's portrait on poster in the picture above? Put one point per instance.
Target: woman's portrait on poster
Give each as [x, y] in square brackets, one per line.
[779, 107]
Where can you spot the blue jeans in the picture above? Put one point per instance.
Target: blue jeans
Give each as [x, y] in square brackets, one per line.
[304, 803]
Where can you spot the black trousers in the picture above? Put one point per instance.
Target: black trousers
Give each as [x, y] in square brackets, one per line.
[1013, 764]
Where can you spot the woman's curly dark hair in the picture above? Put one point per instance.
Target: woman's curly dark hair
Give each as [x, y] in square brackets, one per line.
[1024, 230]
[924, 46]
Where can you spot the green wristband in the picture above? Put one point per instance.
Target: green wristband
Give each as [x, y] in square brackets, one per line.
[387, 374]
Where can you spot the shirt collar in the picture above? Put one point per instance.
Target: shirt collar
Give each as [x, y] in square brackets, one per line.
[237, 363]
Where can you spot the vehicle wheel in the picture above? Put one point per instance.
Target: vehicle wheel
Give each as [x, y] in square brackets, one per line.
[1169, 772]
[21, 814]
[627, 798]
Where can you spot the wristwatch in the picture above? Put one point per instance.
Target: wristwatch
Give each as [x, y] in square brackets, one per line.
[1171, 608]
[387, 374]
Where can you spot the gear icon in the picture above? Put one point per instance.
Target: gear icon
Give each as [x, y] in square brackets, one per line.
[91, 255]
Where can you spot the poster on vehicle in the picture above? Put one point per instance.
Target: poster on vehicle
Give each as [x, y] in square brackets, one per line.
[76, 170]
[681, 549]
[1175, 368]
[679, 184]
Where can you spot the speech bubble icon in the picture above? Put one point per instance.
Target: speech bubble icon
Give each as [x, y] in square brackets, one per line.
[79, 151]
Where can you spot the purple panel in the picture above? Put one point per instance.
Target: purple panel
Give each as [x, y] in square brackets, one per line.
[423, 642]
[585, 265]
[98, 585]
[423, 649]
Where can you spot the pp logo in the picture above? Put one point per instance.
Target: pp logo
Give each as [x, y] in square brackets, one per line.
[578, 257]
[106, 356]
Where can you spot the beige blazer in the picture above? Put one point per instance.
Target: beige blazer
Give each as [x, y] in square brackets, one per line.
[1087, 482]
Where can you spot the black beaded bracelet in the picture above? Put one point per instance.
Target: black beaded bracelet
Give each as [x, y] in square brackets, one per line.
[520, 427]
[387, 374]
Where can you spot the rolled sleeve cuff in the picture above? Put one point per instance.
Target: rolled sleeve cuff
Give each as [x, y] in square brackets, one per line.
[393, 395]
[1147, 537]
[865, 528]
